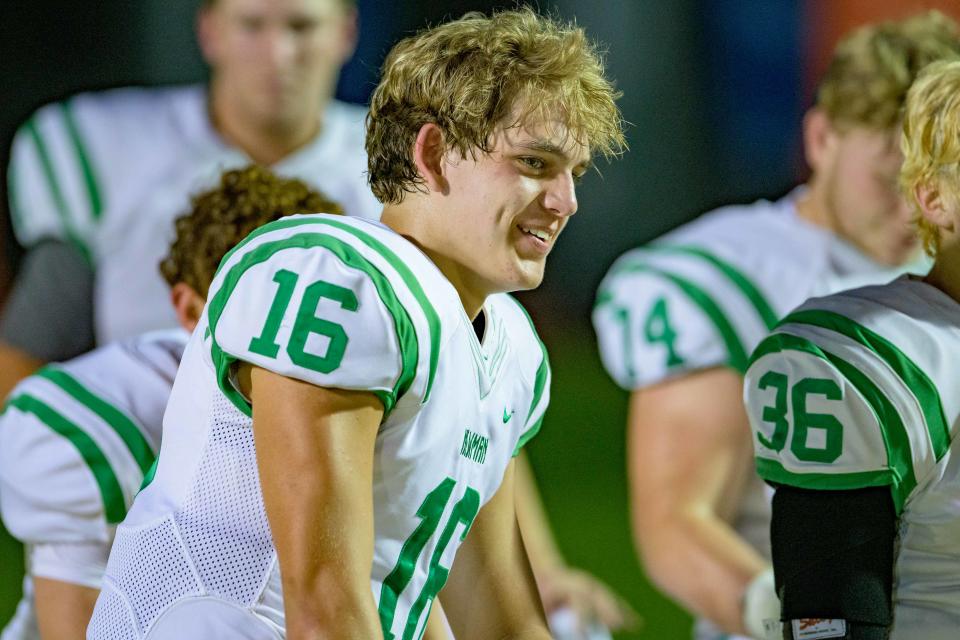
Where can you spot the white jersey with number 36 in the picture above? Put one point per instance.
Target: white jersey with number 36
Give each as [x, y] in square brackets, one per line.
[705, 294]
[335, 302]
[860, 389]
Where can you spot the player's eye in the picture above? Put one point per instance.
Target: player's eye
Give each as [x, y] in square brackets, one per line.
[252, 24]
[533, 162]
[302, 25]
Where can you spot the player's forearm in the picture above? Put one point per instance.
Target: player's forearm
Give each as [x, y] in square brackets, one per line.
[700, 561]
[538, 539]
[538, 632]
[325, 559]
[63, 609]
[330, 609]
[490, 592]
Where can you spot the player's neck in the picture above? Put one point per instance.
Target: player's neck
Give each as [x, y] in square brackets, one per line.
[945, 274]
[265, 143]
[415, 226]
[812, 206]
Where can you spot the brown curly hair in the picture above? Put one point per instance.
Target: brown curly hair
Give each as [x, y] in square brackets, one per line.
[473, 75]
[220, 218]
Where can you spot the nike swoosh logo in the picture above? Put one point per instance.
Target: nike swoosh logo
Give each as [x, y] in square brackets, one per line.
[507, 416]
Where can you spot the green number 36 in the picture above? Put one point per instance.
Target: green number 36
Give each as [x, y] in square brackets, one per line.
[803, 420]
[306, 323]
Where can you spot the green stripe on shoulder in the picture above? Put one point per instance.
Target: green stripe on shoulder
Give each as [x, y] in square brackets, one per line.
[403, 325]
[110, 491]
[405, 273]
[540, 382]
[122, 425]
[896, 440]
[149, 475]
[83, 159]
[56, 193]
[736, 353]
[746, 286]
[912, 375]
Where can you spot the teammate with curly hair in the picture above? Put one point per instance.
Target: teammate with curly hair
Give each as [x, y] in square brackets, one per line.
[95, 180]
[77, 438]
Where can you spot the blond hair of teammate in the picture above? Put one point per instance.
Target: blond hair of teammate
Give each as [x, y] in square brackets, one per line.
[873, 67]
[931, 144]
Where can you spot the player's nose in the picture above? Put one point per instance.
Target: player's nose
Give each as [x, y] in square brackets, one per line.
[561, 195]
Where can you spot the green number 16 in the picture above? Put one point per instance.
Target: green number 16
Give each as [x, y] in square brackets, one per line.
[306, 323]
[430, 514]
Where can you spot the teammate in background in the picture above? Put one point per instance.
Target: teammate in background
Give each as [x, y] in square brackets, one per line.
[384, 375]
[77, 438]
[95, 180]
[676, 321]
[855, 416]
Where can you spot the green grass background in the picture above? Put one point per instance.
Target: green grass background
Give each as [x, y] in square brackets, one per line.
[580, 462]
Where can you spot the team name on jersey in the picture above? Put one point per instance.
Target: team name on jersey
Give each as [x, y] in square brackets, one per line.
[474, 446]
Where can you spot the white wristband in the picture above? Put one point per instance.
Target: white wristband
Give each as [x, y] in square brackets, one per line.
[760, 604]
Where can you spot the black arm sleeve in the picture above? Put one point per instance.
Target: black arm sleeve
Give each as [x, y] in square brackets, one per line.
[833, 556]
[49, 312]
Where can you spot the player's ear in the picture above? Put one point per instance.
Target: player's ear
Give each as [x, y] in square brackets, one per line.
[934, 204]
[819, 139]
[349, 33]
[207, 33]
[428, 153]
[188, 304]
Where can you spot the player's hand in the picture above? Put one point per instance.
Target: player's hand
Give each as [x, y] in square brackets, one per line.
[590, 599]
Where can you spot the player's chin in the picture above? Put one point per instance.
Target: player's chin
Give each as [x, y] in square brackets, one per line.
[528, 274]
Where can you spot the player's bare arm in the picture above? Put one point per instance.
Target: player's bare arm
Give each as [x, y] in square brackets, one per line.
[561, 585]
[688, 461]
[63, 609]
[491, 592]
[16, 365]
[315, 458]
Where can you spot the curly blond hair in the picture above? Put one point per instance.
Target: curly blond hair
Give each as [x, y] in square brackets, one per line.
[221, 217]
[873, 67]
[931, 142]
[470, 76]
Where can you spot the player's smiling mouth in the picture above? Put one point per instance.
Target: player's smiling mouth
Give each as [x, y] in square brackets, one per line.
[540, 234]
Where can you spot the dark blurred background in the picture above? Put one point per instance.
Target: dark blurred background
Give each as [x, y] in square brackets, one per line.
[714, 91]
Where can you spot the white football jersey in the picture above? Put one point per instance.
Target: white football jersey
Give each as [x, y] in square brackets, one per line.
[110, 171]
[705, 294]
[344, 303]
[859, 389]
[76, 440]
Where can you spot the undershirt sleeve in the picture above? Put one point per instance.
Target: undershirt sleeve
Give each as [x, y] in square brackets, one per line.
[80, 563]
[49, 312]
[833, 557]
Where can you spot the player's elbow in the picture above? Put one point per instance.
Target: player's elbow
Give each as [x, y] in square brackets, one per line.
[657, 535]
